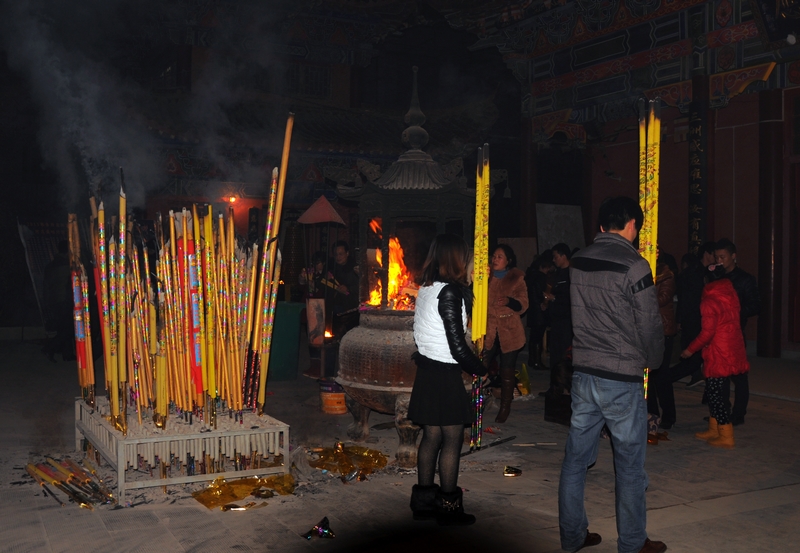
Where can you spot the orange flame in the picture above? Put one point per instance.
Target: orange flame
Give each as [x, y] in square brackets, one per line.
[399, 277]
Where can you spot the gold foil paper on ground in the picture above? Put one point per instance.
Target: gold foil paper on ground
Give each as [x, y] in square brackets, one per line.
[222, 492]
[348, 462]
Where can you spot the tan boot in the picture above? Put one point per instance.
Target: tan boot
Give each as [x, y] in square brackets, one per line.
[712, 432]
[725, 438]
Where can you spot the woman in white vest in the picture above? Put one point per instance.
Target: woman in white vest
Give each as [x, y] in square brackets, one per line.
[439, 401]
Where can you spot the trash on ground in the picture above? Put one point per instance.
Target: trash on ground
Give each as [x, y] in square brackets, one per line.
[222, 492]
[322, 530]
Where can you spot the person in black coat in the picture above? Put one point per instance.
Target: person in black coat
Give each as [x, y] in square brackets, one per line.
[538, 316]
[345, 299]
[560, 313]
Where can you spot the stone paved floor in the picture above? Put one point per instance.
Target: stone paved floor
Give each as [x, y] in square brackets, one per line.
[700, 499]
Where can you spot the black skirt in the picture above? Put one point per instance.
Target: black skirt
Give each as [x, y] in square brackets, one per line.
[439, 397]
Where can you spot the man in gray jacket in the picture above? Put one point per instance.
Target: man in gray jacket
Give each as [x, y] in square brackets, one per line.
[618, 332]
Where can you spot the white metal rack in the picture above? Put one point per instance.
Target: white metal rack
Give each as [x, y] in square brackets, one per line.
[269, 436]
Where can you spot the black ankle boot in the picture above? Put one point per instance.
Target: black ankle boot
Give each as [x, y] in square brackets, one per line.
[450, 509]
[423, 501]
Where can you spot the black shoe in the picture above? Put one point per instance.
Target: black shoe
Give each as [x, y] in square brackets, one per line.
[666, 425]
[737, 421]
[450, 509]
[423, 501]
[591, 539]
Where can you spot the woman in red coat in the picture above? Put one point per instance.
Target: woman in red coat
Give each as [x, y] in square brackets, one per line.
[723, 352]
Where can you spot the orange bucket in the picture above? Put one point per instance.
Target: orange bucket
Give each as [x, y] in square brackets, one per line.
[333, 403]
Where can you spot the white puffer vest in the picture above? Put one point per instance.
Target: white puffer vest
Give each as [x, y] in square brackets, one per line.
[428, 326]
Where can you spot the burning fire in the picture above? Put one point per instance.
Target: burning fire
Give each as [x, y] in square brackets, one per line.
[399, 278]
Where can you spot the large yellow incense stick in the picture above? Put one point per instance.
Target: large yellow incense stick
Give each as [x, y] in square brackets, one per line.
[103, 267]
[121, 289]
[198, 267]
[271, 320]
[480, 282]
[263, 278]
[649, 159]
[650, 150]
[287, 141]
[113, 341]
[211, 319]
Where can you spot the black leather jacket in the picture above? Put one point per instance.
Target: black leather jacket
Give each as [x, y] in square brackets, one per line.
[747, 290]
[450, 300]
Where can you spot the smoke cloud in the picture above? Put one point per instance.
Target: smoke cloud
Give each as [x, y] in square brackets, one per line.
[94, 68]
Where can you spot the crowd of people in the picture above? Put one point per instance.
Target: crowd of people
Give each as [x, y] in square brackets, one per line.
[607, 327]
[604, 319]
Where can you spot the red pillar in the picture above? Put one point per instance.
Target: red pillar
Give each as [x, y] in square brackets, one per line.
[770, 221]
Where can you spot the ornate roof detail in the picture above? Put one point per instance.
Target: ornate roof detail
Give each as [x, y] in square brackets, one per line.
[414, 169]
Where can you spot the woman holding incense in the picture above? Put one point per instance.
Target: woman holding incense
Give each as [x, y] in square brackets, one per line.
[505, 335]
[439, 402]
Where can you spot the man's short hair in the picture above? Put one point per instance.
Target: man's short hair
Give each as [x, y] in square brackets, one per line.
[725, 244]
[708, 247]
[343, 244]
[562, 249]
[616, 212]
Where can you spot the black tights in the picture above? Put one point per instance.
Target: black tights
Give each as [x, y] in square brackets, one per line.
[444, 443]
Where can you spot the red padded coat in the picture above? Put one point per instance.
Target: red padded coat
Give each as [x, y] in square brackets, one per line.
[721, 336]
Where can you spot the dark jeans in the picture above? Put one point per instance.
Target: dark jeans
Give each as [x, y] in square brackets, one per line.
[665, 377]
[560, 342]
[598, 402]
[659, 386]
[536, 336]
[741, 395]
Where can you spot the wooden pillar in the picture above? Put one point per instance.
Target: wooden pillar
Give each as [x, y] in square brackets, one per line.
[528, 180]
[588, 214]
[770, 221]
[698, 164]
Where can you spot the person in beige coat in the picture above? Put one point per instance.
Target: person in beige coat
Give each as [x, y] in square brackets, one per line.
[505, 335]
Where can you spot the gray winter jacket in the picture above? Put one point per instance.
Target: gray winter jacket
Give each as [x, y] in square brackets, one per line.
[615, 317]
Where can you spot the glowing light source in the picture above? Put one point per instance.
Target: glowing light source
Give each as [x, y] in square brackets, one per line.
[399, 295]
[232, 199]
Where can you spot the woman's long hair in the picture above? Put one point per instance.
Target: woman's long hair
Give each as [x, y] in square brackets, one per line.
[446, 262]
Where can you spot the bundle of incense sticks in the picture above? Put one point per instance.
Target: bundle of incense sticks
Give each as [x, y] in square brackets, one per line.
[480, 284]
[186, 323]
[649, 159]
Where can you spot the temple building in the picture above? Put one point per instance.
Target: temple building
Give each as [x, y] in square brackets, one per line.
[725, 71]
[551, 85]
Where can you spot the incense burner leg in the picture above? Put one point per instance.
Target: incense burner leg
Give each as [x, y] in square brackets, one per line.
[359, 428]
[407, 432]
